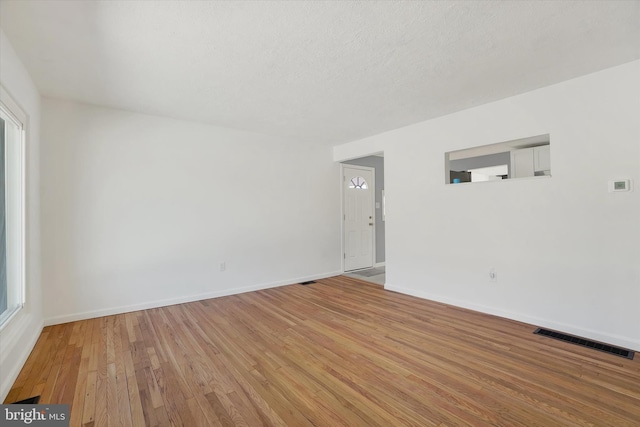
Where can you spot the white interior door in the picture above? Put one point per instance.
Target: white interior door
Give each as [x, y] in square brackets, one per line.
[358, 187]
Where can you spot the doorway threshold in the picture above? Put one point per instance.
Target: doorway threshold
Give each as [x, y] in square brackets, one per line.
[375, 275]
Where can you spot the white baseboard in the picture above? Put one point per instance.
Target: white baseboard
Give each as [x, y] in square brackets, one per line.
[630, 343]
[27, 335]
[180, 300]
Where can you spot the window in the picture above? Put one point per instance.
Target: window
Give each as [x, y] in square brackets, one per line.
[12, 121]
[358, 183]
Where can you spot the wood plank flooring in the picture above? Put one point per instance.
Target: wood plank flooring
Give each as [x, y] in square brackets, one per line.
[340, 352]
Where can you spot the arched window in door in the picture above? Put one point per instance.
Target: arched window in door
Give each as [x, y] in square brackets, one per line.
[358, 183]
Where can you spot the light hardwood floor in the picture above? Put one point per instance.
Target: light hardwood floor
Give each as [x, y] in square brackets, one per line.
[341, 352]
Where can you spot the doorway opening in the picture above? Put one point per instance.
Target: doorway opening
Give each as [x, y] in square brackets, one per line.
[363, 225]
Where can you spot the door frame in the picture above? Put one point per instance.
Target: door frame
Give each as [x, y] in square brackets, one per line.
[342, 212]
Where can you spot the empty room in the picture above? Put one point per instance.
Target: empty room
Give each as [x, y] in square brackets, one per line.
[319, 213]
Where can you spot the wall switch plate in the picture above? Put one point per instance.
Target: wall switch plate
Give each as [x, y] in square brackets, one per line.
[617, 185]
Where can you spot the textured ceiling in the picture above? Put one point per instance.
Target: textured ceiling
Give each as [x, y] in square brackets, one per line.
[323, 72]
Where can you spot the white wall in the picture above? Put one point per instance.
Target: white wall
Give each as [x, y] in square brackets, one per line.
[139, 211]
[20, 334]
[566, 251]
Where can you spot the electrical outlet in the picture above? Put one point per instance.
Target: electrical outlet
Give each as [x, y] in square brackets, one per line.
[493, 275]
[223, 266]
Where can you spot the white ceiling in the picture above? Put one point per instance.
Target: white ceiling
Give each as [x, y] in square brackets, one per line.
[323, 72]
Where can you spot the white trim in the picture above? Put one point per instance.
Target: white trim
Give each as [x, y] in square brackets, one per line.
[14, 312]
[181, 300]
[372, 186]
[15, 198]
[13, 108]
[379, 264]
[27, 343]
[626, 342]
